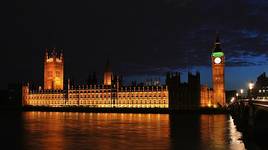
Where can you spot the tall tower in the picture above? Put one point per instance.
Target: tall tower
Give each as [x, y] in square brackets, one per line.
[217, 60]
[53, 70]
[107, 74]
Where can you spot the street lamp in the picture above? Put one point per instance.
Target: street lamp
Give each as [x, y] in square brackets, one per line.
[232, 99]
[236, 94]
[250, 87]
[241, 92]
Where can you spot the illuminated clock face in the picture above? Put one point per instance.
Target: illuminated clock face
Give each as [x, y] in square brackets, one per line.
[217, 60]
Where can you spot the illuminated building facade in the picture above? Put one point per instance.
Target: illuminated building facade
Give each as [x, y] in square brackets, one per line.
[110, 94]
[99, 96]
[206, 96]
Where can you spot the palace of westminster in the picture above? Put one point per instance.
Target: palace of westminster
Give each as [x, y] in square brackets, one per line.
[112, 94]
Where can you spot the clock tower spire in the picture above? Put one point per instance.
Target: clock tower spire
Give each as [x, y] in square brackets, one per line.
[217, 47]
[218, 63]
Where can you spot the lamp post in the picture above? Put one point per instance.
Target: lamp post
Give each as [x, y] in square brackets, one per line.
[236, 94]
[250, 87]
[241, 93]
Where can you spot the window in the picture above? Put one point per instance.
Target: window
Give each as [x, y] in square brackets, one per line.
[57, 74]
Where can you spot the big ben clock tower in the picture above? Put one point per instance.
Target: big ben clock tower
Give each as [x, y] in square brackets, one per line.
[217, 60]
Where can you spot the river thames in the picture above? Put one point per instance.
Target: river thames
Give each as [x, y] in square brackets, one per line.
[70, 130]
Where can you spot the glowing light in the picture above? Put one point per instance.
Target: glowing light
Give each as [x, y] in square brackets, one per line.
[232, 99]
[50, 60]
[217, 60]
[217, 54]
[251, 85]
[58, 60]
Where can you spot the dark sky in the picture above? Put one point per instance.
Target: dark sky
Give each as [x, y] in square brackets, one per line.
[142, 38]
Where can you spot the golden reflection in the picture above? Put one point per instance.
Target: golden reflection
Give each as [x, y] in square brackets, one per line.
[235, 136]
[72, 130]
[216, 132]
[51, 125]
[51, 130]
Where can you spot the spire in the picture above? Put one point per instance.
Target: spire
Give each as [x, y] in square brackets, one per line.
[54, 53]
[107, 74]
[46, 53]
[217, 45]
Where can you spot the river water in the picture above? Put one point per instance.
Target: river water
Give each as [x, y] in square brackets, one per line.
[70, 130]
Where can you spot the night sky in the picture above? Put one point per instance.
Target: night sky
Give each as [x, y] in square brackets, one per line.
[141, 38]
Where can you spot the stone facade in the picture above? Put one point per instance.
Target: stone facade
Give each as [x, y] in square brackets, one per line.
[99, 96]
[53, 70]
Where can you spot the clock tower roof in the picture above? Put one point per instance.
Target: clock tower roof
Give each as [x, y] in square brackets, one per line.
[217, 44]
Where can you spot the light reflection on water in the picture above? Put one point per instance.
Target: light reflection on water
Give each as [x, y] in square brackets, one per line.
[219, 132]
[66, 130]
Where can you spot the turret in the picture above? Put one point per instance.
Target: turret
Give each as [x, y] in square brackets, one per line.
[25, 93]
